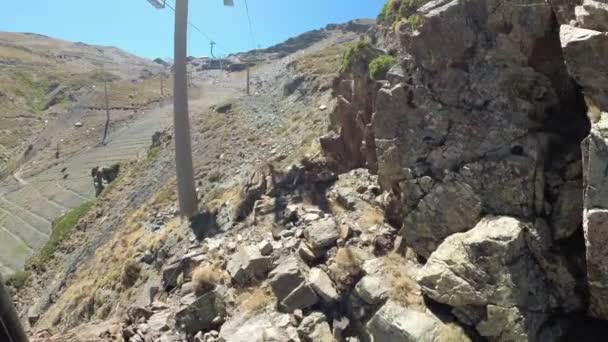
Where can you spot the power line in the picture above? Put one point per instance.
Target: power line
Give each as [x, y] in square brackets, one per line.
[201, 32]
[250, 25]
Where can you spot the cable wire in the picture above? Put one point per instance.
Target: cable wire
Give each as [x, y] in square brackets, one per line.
[250, 25]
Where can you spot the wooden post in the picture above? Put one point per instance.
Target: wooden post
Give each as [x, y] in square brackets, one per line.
[248, 79]
[162, 88]
[10, 326]
[105, 131]
[188, 201]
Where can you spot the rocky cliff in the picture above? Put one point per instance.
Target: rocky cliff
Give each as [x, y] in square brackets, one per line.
[489, 132]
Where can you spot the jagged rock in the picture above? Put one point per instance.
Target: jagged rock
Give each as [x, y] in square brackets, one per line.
[491, 268]
[323, 286]
[584, 52]
[202, 314]
[314, 328]
[262, 327]
[248, 264]
[171, 273]
[394, 323]
[290, 286]
[301, 297]
[265, 247]
[595, 216]
[592, 15]
[372, 289]
[322, 234]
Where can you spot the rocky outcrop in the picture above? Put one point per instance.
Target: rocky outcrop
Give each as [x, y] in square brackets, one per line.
[493, 276]
[586, 54]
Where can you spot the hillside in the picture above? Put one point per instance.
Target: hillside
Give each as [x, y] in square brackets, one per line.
[41, 78]
[438, 176]
[46, 87]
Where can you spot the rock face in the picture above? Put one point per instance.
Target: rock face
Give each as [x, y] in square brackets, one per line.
[586, 54]
[493, 278]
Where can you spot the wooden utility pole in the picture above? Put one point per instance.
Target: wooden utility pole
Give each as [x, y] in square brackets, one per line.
[107, 101]
[248, 79]
[162, 85]
[188, 201]
[10, 326]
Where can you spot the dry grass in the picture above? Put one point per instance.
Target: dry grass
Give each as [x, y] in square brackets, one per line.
[206, 277]
[346, 268]
[451, 332]
[255, 300]
[370, 217]
[322, 65]
[403, 287]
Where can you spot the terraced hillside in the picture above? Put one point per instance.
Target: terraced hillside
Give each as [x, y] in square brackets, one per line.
[47, 86]
[42, 78]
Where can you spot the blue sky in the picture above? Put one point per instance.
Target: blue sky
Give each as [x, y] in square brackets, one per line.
[135, 26]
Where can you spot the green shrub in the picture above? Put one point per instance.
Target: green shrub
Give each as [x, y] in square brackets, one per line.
[358, 54]
[62, 228]
[395, 10]
[380, 66]
[416, 21]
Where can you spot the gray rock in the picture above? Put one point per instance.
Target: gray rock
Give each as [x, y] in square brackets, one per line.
[248, 264]
[491, 268]
[261, 327]
[301, 297]
[290, 286]
[580, 47]
[323, 286]
[567, 214]
[202, 314]
[592, 15]
[372, 289]
[595, 216]
[160, 321]
[322, 234]
[171, 273]
[265, 247]
[394, 323]
[314, 328]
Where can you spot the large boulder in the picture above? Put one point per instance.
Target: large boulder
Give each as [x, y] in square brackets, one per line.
[289, 282]
[254, 327]
[497, 278]
[585, 53]
[203, 314]
[394, 323]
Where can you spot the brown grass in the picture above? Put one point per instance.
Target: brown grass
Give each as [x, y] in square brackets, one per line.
[403, 287]
[370, 217]
[346, 268]
[255, 300]
[206, 277]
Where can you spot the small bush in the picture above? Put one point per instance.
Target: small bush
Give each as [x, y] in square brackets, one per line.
[380, 66]
[153, 153]
[62, 228]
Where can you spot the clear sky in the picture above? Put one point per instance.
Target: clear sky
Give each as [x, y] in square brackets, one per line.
[135, 26]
